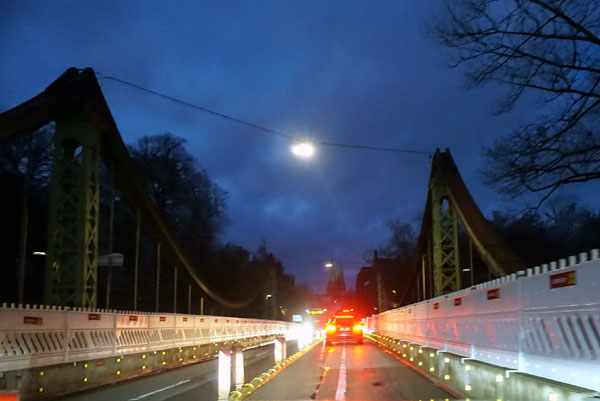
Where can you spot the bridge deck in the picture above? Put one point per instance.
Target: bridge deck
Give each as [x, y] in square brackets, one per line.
[197, 382]
[349, 372]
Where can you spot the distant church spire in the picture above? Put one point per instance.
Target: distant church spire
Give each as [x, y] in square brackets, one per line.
[341, 283]
[332, 282]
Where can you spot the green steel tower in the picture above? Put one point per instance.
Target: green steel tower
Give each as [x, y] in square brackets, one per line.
[72, 257]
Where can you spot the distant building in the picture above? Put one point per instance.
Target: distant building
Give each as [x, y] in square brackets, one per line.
[336, 285]
[366, 289]
[384, 285]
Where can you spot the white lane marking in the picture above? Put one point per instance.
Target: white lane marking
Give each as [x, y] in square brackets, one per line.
[340, 393]
[139, 397]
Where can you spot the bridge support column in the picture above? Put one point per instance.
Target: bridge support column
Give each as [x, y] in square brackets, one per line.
[238, 366]
[446, 270]
[280, 350]
[72, 262]
[224, 374]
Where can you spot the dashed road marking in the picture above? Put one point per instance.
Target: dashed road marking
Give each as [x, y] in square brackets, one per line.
[139, 397]
[340, 393]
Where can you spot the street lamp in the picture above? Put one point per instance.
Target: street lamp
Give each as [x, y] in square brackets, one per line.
[329, 265]
[303, 149]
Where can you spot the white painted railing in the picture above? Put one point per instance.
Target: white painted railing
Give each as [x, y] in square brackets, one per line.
[39, 336]
[544, 321]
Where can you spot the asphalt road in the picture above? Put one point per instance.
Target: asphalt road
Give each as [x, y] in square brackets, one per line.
[197, 382]
[338, 372]
[349, 372]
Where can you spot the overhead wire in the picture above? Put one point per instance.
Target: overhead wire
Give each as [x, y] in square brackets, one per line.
[256, 126]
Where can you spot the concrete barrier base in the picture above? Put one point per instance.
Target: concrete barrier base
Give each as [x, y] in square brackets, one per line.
[469, 379]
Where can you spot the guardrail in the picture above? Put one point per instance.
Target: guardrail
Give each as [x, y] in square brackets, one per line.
[33, 336]
[543, 321]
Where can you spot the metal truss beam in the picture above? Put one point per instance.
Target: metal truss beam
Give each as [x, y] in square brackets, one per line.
[446, 269]
[72, 261]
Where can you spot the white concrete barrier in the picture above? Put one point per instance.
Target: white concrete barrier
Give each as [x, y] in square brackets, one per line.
[546, 324]
[39, 336]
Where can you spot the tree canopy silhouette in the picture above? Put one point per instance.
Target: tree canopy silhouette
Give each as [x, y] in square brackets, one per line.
[547, 47]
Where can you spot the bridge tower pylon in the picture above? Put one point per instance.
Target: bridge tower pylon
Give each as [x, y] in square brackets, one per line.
[444, 219]
[72, 250]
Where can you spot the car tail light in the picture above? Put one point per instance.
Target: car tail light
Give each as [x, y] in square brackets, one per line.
[358, 327]
[330, 327]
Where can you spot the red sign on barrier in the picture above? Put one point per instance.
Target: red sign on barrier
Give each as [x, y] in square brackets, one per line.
[562, 279]
[185, 319]
[493, 294]
[101, 362]
[133, 318]
[12, 395]
[201, 319]
[94, 316]
[163, 318]
[457, 301]
[33, 320]
[436, 305]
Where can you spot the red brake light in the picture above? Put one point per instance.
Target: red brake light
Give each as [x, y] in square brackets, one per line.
[330, 327]
[357, 327]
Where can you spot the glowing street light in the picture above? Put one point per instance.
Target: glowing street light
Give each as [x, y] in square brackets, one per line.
[303, 149]
[329, 265]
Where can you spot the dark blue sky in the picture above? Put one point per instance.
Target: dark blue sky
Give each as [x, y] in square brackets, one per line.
[357, 72]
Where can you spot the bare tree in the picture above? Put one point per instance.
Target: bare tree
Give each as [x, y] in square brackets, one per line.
[547, 47]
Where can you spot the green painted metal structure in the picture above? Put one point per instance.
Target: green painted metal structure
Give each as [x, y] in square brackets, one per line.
[446, 271]
[437, 257]
[86, 133]
[72, 255]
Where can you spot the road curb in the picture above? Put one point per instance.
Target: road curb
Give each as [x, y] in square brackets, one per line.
[261, 380]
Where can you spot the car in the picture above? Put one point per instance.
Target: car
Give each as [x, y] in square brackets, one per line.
[345, 326]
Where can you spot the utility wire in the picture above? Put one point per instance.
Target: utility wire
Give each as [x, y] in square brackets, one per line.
[255, 126]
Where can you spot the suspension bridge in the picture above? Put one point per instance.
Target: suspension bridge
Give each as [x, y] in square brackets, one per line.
[533, 332]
